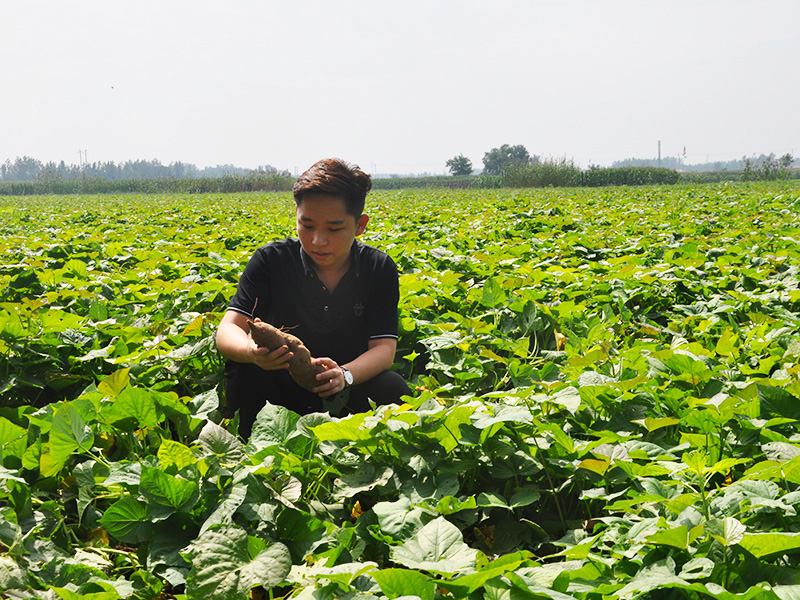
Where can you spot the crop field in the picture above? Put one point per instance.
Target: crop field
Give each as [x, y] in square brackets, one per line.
[606, 406]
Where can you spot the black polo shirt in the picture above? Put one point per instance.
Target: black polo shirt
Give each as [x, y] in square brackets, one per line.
[279, 285]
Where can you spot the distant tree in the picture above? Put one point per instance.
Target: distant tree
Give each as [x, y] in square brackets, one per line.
[498, 159]
[22, 169]
[767, 167]
[459, 165]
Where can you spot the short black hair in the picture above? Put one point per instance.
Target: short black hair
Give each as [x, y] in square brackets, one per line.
[338, 178]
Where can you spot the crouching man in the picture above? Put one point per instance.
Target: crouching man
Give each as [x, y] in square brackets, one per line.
[338, 295]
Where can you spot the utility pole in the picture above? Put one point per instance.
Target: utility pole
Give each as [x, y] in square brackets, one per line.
[659, 154]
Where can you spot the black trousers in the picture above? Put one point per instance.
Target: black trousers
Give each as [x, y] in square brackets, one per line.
[249, 387]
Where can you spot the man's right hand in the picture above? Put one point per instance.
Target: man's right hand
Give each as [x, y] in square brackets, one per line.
[234, 342]
[270, 360]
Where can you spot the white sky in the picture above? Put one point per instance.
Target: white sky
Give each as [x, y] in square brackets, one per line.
[397, 87]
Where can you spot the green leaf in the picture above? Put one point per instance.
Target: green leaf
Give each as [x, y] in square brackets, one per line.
[524, 497]
[166, 494]
[395, 583]
[684, 364]
[676, 536]
[450, 505]
[10, 475]
[787, 592]
[596, 466]
[163, 550]
[12, 576]
[569, 397]
[13, 439]
[769, 544]
[217, 441]
[492, 500]
[133, 408]
[727, 531]
[223, 569]
[400, 519]
[660, 574]
[365, 477]
[273, 425]
[171, 453]
[49, 465]
[697, 568]
[776, 401]
[348, 429]
[232, 498]
[127, 520]
[533, 589]
[652, 423]
[204, 404]
[69, 433]
[466, 584]
[301, 532]
[493, 294]
[437, 547]
[728, 344]
[501, 413]
[113, 384]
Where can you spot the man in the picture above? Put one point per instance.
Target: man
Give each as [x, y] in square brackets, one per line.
[337, 295]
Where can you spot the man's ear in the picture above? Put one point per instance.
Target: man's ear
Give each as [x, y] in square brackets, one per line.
[361, 224]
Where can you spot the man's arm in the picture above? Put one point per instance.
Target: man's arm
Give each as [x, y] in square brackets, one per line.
[234, 342]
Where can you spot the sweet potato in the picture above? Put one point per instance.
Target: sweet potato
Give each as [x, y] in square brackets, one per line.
[301, 368]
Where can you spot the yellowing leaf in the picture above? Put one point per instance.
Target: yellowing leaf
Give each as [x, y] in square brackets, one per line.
[113, 384]
[652, 424]
[594, 465]
[728, 344]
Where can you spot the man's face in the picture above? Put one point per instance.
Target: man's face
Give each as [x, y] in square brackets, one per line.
[327, 231]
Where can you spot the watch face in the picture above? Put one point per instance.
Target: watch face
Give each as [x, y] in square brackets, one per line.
[348, 377]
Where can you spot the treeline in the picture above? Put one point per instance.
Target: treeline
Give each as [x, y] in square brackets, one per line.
[540, 175]
[254, 182]
[746, 162]
[543, 174]
[547, 173]
[530, 172]
[24, 169]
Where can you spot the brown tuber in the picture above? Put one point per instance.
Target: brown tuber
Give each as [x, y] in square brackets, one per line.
[301, 367]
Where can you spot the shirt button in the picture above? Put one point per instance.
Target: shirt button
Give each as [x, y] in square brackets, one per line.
[326, 307]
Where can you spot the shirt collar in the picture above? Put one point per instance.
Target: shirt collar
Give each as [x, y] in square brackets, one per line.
[355, 260]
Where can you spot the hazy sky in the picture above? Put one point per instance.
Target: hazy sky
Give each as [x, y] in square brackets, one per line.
[398, 87]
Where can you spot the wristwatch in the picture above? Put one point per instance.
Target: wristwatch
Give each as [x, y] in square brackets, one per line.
[348, 377]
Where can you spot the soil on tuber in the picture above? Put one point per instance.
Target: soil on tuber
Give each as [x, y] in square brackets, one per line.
[301, 366]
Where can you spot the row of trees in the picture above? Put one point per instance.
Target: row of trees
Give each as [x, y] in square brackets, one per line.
[764, 162]
[499, 160]
[31, 169]
[495, 162]
[766, 167]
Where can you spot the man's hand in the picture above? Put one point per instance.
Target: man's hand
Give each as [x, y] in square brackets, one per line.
[270, 360]
[332, 378]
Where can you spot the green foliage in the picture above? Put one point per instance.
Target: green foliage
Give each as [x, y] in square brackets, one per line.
[499, 159]
[459, 165]
[545, 173]
[768, 168]
[436, 181]
[606, 404]
[596, 176]
[255, 182]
